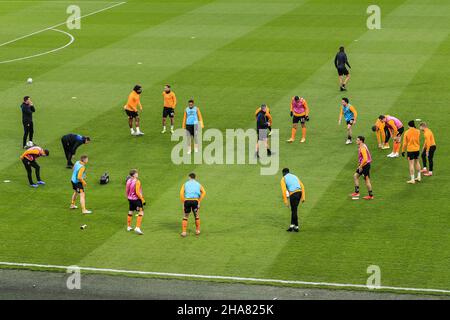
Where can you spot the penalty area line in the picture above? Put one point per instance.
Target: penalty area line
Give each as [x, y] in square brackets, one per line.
[228, 278]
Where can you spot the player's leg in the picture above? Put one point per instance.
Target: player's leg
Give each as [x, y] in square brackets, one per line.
[417, 167]
[368, 183]
[387, 134]
[294, 129]
[139, 221]
[130, 123]
[411, 170]
[195, 137]
[294, 200]
[25, 134]
[430, 161]
[74, 199]
[303, 124]
[164, 121]
[197, 219]
[31, 131]
[184, 223]
[424, 161]
[27, 166]
[347, 78]
[83, 202]
[349, 132]
[37, 171]
[355, 195]
[137, 122]
[129, 220]
[172, 120]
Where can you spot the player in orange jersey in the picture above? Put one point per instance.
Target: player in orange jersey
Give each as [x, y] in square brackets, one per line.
[131, 109]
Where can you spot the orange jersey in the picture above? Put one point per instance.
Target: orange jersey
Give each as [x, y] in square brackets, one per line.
[268, 115]
[32, 154]
[429, 139]
[170, 100]
[134, 100]
[380, 133]
[411, 140]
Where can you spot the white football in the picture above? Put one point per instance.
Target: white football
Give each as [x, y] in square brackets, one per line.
[29, 80]
[30, 144]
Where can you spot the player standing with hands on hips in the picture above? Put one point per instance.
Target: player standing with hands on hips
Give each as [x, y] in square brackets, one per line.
[27, 120]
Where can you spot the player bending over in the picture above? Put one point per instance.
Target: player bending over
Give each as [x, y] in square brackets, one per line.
[79, 183]
[70, 143]
[396, 129]
[29, 158]
[191, 194]
[350, 114]
[383, 134]
[364, 161]
[136, 201]
[170, 102]
[299, 113]
[411, 143]
[292, 187]
[429, 148]
[134, 101]
[192, 118]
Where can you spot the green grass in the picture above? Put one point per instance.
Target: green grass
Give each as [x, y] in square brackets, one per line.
[243, 54]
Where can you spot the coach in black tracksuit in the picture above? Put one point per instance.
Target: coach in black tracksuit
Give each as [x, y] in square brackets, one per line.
[27, 119]
[70, 143]
[262, 126]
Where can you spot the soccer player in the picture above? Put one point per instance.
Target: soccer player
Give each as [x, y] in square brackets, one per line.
[340, 62]
[292, 188]
[429, 148]
[350, 114]
[79, 183]
[70, 143]
[262, 126]
[383, 134]
[134, 101]
[29, 158]
[396, 129]
[136, 201]
[170, 102]
[299, 113]
[268, 115]
[27, 120]
[191, 194]
[192, 118]
[364, 161]
[411, 143]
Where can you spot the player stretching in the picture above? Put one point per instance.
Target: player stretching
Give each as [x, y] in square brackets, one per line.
[350, 114]
[134, 101]
[383, 134]
[364, 160]
[429, 147]
[411, 143]
[78, 184]
[396, 129]
[268, 115]
[299, 113]
[136, 201]
[192, 118]
[292, 187]
[191, 194]
[170, 102]
[29, 161]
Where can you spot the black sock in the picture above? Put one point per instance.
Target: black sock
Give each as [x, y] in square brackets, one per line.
[370, 193]
[349, 137]
[356, 189]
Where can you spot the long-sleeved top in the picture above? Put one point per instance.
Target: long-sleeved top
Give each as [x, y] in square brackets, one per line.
[27, 112]
[341, 60]
[170, 100]
[74, 141]
[262, 122]
[411, 140]
[291, 184]
[429, 139]
[268, 115]
[32, 153]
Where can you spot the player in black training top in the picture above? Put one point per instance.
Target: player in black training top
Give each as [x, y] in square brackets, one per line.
[27, 120]
[70, 143]
[340, 62]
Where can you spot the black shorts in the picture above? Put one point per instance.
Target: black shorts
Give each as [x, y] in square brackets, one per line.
[400, 131]
[350, 122]
[135, 205]
[342, 71]
[300, 119]
[191, 206]
[413, 155]
[191, 129]
[365, 171]
[131, 114]
[168, 112]
[78, 187]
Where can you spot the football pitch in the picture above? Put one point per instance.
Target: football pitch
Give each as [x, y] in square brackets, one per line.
[230, 56]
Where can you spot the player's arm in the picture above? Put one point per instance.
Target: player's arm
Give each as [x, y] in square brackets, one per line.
[340, 116]
[355, 113]
[174, 100]
[405, 142]
[427, 142]
[138, 191]
[303, 191]
[283, 191]
[336, 61]
[30, 152]
[80, 176]
[346, 62]
[291, 108]
[200, 118]
[182, 198]
[184, 120]
[269, 117]
[306, 108]
[394, 128]
[257, 111]
[202, 193]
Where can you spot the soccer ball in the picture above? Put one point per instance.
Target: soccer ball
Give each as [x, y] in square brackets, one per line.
[30, 144]
[29, 80]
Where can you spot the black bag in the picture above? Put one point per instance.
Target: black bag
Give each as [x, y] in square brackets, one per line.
[104, 179]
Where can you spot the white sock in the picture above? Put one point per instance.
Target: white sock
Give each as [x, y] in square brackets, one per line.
[132, 130]
[171, 127]
[292, 226]
[138, 130]
[418, 175]
[164, 127]
[424, 168]
[412, 177]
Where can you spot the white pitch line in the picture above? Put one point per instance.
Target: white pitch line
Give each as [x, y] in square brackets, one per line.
[72, 39]
[207, 277]
[61, 24]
